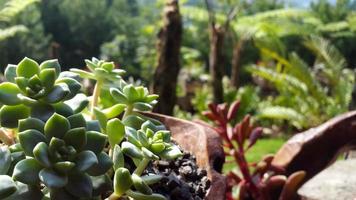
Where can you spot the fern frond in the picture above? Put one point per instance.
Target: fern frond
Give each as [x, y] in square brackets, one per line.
[283, 113]
[11, 31]
[13, 7]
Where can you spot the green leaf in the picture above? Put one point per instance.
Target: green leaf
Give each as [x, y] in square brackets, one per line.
[79, 185]
[118, 157]
[93, 125]
[64, 167]
[142, 106]
[140, 196]
[48, 77]
[114, 110]
[91, 66]
[26, 171]
[108, 66]
[151, 98]
[40, 152]
[10, 115]
[63, 109]
[131, 150]
[27, 100]
[96, 141]
[27, 68]
[118, 95]
[148, 154]
[42, 111]
[51, 179]
[29, 139]
[26, 192]
[76, 137]
[56, 126]
[83, 74]
[51, 64]
[8, 94]
[122, 181]
[78, 102]
[151, 179]
[31, 123]
[157, 147]
[140, 185]
[130, 93]
[133, 121]
[101, 184]
[103, 165]
[60, 194]
[142, 138]
[100, 116]
[77, 120]
[85, 160]
[57, 94]
[7, 186]
[132, 136]
[171, 153]
[55, 144]
[116, 131]
[5, 159]
[10, 73]
[73, 85]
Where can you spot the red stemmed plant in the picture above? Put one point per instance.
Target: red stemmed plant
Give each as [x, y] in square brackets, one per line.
[260, 180]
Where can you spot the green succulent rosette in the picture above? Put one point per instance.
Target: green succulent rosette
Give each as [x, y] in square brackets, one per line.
[38, 90]
[62, 154]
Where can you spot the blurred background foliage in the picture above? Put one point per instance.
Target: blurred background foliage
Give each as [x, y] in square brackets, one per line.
[296, 62]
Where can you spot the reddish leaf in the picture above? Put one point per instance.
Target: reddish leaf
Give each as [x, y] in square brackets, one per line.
[255, 135]
[210, 115]
[233, 110]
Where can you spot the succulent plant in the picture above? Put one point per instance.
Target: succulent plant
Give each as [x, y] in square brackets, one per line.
[37, 91]
[56, 152]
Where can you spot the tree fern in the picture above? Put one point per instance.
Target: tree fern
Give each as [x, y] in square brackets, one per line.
[11, 31]
[13, 7]
[283, 113]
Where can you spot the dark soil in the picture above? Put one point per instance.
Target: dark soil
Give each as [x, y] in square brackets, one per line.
[182, 178]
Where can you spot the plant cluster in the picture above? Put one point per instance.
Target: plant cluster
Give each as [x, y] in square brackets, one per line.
[259, 180]
[55, 147]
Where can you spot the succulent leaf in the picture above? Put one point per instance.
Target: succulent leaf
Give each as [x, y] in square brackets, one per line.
[26, 171]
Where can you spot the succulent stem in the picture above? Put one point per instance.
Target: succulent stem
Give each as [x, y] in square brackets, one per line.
[96, 94]
[142, 166]
[128, 111]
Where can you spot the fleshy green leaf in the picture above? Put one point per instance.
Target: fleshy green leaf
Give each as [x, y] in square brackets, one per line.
[29, 139]
[10, 115]
[133, 121]
[103, 165]
[131, 150]
[157, 147]
[171, 153]
[116, 131]
[142, 106]
[101, 184]
[63, 109]
[140, 196]
[85, 160]
[7, 186]
[5, 160]
[118, 95]
[93, 125]
[140, 185]
[27, 68]
[51, 179]
[56, 126]
[40, 152]
[64, 167]
[60, 194]
[122, 181]
[148, 154]
[8, 94]
[143, 138]
[151, 179]
[51, 64]
[73, 85]
[114, 110]
[26, 192]
[79, 185]
[58, 93]
[31, 123]
[27, 100]
[76, 137]
[118, 157]
[47, 77]
[26, 171]
[10, 73]
[96, 141]
[150, 98]
[83, 74]
[100, 116]
[130, 93]
[78, 102]
[42, 111]
[77, 121]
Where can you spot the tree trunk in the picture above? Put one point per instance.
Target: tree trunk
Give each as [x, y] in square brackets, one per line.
[168, 48]
[235, 63]
[216, 61]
